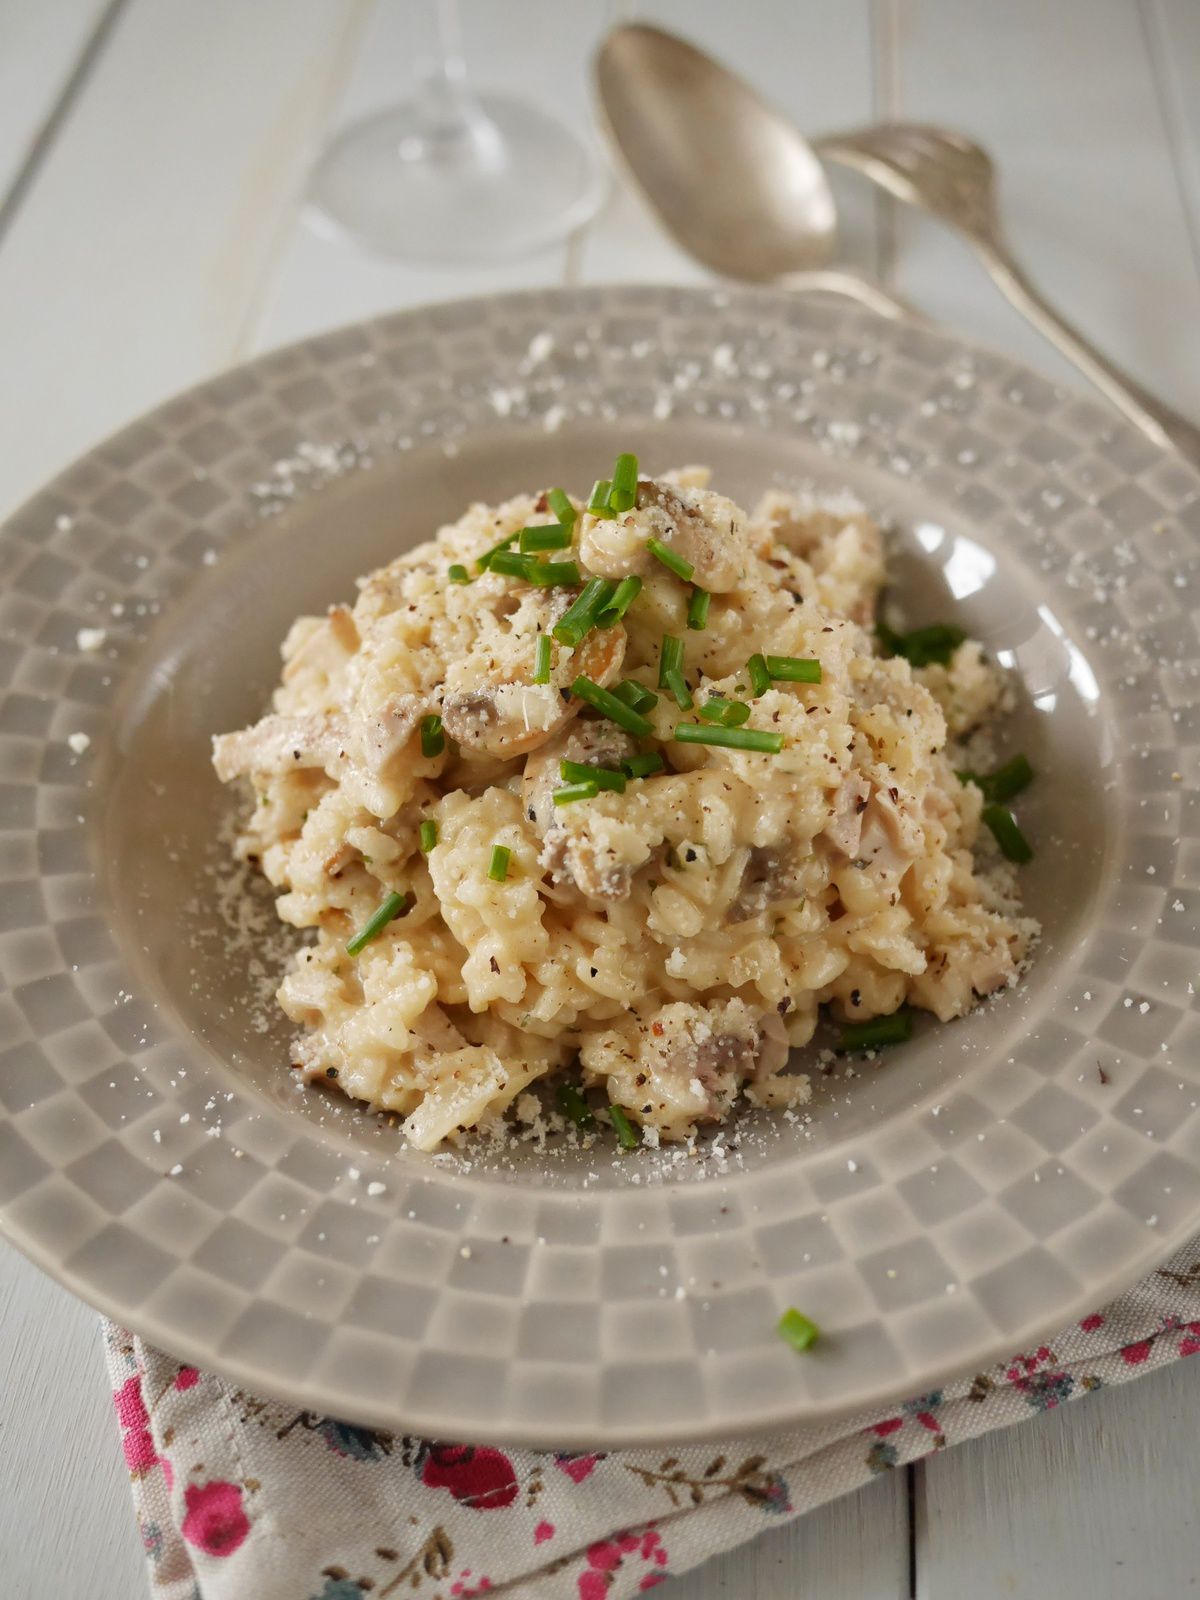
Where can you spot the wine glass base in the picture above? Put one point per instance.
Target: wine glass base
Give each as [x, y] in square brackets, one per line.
[519, 181]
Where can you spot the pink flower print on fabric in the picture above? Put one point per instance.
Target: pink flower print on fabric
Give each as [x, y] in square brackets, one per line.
[130, 1407]
[543, 1531]
[215, 1521]
[476, 1475]
[136, 1439]
[186, 1378]
[1135, 1354]
[607, 1555]
[577, 1468]
[464, 1589]
[140, 1454]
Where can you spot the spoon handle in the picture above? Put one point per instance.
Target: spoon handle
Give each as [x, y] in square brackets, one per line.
[1156, 420]
[852, 287]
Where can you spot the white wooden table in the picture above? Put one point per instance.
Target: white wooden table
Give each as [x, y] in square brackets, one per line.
[152, 159]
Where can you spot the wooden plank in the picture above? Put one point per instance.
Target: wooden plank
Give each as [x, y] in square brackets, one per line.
[141, 245]
[1093, 1502]
[854, 1548]
[66, 1518]
[814, 62]
[322, 282]
[40, 49]
[1173, 38]
[1065, 99]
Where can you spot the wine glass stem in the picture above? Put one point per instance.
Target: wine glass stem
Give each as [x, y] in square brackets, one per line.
[449, 32]
[455, 129]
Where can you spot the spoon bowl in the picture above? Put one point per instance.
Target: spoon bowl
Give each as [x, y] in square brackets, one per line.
[732, 180]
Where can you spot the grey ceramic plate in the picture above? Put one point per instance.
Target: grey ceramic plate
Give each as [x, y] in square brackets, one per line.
[990, 1180]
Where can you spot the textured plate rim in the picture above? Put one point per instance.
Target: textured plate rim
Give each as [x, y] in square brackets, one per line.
[1160, 1241]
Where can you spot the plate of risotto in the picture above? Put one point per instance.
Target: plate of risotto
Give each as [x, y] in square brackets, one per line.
[603, 866]
[638, 782]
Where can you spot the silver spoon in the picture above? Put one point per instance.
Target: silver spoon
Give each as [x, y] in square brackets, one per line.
[732, 180]
[946, 175]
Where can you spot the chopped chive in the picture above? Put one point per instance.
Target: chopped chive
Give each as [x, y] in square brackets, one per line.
[576, 791]
[730, 738]
[428, 832]
[623, 1128]
[374, 926]
[598, 500]
[485, 560]
[625, 594]
[888, 639]
[1004, 783]
[680, 692]
[675, 563]
[636, 694]
[1008, 780]
[933, 644]
[553, 574]
[796, 1329]
[560, 503]
[670, 658]
[498, 867]
[725, 713]
[457, 573]
[509, 563]
[624, 483]
[923, 646]
[580, 616]
[572, 1104]
[609, 706]
[697, 618]
[1014, 846]
[541, 658]
[547, 574]
[760, 678]
[547, 536]
[876, 1033]
[602, 777]
[644, 765]
[433, 740]
[791, 669]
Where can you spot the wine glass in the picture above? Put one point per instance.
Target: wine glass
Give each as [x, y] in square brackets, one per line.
[451, 175]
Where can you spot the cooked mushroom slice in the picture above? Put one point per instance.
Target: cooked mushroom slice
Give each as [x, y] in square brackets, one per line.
[771, 874]
[687, 1062]
[387, 735]
[280, 743]
[493, 707]
[697, 525]
[892, 838]
[845, 825]
[463, 1083]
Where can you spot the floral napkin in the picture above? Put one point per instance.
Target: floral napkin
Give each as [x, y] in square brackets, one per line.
[238, 1496]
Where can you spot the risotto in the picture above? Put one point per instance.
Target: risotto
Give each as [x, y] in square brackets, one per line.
[625, 791]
